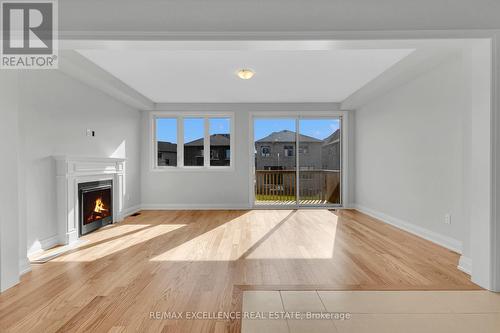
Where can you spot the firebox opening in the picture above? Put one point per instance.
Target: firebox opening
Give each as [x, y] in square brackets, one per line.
[96, 205]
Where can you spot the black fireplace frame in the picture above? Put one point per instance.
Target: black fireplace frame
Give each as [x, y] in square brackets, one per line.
[84, 188]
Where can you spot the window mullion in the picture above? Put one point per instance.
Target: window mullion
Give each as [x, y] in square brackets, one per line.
[231, 141]
[155, 142]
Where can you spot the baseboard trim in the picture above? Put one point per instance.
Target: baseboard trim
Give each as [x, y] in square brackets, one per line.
[194, 207]
[129, 211]
[445, 241]
[465, 264]
[44, 244]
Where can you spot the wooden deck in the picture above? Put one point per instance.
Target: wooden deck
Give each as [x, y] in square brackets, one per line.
[203, 260]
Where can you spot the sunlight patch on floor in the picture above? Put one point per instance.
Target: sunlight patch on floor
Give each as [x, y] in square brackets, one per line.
[103, 247]
[277, 235]
[115, 230]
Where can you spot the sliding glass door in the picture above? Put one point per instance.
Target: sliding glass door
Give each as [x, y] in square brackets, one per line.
[297, 161]
[275, 161]
[319, 161]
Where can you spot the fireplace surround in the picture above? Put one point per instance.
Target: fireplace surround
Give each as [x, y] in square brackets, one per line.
[74, 173]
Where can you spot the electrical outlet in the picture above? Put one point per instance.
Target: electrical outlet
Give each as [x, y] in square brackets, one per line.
[447, 219]
[90, 132]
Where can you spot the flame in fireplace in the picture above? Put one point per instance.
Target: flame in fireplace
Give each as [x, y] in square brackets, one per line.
[99, 206]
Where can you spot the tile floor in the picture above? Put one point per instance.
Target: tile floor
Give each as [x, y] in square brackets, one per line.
[373, 311]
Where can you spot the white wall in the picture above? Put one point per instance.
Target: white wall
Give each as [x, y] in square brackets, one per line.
[55, 111]
[9, 218]
[410, 153]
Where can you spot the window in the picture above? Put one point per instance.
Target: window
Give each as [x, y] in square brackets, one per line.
[266, 151]
[220, 141]
[289, 151]
[194, 138]
[166, 141]
[205, 141]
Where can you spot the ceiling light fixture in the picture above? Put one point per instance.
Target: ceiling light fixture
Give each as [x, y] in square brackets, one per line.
[245, 74]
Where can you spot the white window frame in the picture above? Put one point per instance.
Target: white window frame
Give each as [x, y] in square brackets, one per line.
[180, 116]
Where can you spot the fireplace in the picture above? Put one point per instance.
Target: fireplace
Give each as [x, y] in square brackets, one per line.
[96, 205]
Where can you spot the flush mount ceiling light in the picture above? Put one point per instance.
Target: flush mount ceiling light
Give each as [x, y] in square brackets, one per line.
[245, 74]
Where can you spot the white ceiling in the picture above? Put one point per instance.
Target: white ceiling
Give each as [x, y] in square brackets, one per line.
[197, 76]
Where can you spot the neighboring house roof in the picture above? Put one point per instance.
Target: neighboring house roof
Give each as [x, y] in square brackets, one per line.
[333, 138]
[287, 136]
[167, 146]
[215, 140]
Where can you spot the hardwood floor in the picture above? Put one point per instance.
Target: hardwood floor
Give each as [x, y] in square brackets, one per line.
[203, 260]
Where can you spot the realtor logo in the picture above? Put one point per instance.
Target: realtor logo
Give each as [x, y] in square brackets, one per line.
[28, 34]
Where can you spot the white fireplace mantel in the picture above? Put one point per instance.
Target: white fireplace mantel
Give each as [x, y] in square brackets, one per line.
[73, 170]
